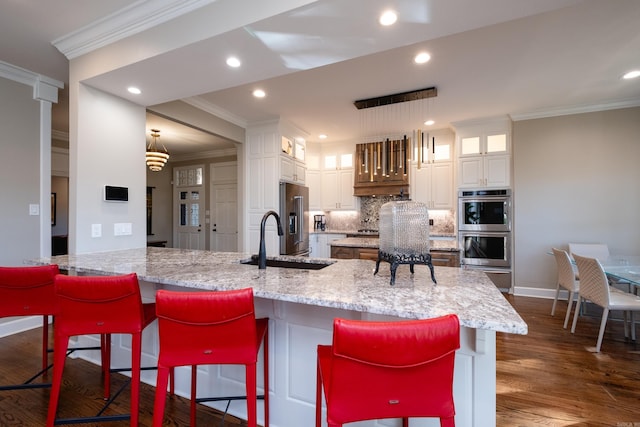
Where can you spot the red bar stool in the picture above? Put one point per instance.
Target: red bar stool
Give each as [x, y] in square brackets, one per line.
[378, 370]
[101, 305]
[211, 328]
[28, 291]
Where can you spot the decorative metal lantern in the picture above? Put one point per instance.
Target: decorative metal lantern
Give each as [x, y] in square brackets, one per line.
[404, 236]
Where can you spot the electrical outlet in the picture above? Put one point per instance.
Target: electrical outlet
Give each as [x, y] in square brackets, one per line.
[96, 230]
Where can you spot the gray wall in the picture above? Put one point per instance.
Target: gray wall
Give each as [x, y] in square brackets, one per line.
[19, 173]
[576, 179]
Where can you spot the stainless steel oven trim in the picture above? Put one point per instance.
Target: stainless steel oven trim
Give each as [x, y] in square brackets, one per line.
[485, 262]
[484, 227]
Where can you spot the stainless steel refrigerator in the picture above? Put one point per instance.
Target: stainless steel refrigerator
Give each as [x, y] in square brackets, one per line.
[294, 214]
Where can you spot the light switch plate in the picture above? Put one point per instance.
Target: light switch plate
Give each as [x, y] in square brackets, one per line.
[34, 209]
[122, 229]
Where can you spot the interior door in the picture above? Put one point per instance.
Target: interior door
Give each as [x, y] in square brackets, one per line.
[190, 217]
[224, 217]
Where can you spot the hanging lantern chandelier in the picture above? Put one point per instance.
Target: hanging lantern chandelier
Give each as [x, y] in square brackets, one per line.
[156, 158]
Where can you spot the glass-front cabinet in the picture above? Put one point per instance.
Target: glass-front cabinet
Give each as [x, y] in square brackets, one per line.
[489, 144]
[484, 153]
[292, 161]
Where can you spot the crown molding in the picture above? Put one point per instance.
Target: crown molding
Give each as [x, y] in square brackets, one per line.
[204, 105]
[504, 120]
[126, 22]
[21, 75]
[565, 111]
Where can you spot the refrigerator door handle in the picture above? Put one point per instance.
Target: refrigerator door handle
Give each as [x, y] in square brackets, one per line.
[299, 208]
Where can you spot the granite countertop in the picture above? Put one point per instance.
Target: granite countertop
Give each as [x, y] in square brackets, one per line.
[374, 242]
[345, 284]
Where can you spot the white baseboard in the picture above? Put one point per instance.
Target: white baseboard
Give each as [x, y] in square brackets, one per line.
[539, 293]
[20, 324]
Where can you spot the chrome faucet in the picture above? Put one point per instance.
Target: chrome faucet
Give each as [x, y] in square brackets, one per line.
[262, 253]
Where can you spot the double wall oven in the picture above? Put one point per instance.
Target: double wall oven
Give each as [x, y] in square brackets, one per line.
[484, 227]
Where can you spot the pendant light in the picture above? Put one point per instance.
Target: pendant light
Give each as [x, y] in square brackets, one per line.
[156, 158]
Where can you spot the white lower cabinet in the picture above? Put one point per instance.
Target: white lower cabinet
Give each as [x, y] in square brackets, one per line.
[320, 244]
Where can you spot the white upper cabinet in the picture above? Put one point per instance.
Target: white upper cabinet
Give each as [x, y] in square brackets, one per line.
[484, 171]
[432, 184]
[314, 182]
[431, 177]
[485, 144]
[484, 153]
[433, 147]
[338, 161]
[292, 161]
[337, 177]
[337, 190]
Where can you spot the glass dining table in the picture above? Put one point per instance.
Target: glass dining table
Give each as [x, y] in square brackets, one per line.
[622, 268]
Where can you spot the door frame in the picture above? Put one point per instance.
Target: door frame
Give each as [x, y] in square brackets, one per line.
[181, 182]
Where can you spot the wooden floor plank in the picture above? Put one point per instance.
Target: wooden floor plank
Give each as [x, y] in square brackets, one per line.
[549, 377]
[552, 377]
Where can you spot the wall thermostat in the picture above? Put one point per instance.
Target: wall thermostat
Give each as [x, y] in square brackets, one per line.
[116, 194]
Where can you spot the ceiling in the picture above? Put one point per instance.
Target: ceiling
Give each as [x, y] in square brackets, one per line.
[315, 58]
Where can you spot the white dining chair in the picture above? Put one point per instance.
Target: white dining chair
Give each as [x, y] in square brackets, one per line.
[599, 251]
[566, 280]
[594, 287]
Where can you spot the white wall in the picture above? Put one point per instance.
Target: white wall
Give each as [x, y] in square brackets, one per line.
[19, 173]
[576, 179]
[106, 147]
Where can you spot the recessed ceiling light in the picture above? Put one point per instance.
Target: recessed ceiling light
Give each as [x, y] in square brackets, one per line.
[422, 57]
[259, 93]
[134, 90]
[322, 136]
[429, 122]
[632, 74]
[388, 18]
[234, 62]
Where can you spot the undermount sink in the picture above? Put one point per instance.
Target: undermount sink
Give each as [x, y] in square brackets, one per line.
[299, 263]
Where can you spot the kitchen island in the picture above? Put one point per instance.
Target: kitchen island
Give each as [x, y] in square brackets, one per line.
[302, 304]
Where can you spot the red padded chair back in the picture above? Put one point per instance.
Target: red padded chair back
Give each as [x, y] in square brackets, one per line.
[393, 369]
[27, 291]
[191, 324]
[98, 304]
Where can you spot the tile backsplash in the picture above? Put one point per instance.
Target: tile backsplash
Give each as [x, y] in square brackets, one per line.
[368, 216]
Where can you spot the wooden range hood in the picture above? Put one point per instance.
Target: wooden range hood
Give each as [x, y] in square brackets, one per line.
[382, 168]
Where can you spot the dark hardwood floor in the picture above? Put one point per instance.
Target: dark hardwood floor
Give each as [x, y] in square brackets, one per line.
[81, 393]
[551, 377]
[546, 378]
